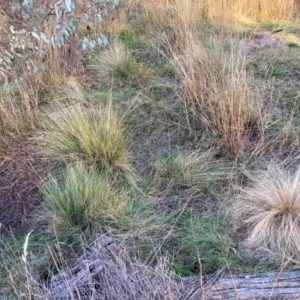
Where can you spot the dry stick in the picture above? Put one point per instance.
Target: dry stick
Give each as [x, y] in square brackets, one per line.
[199, 260]
[275, 31]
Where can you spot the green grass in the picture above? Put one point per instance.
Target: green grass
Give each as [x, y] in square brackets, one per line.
[82, 201]
[133, 37]
[13, 275]
[276, 71]
[277, 24]
[152, 146]
[191, 169]
[200, 245]
[286, 60]
[293, 44]
[166, 69]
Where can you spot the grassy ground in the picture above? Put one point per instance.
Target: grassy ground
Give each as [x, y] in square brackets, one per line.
[166, 140]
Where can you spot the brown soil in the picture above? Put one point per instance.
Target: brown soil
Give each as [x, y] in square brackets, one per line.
[264, 39]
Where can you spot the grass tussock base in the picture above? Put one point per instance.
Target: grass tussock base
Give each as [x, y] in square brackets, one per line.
[270, 212]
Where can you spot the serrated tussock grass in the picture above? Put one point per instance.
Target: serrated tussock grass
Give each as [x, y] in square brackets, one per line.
[82, 200]
[180, 217]
[117, 64]
[192, 169]
[93, 136]
[269, 210]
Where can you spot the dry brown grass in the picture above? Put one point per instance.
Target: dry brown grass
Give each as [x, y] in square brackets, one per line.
[269, 210]
[56, 66]
[61, 64]
[262, 10]
[119, 278]
[217, 92]
[180, 18]
[241, 11]
[216, 84]
[45, 65]
[115, 23]
[20, 105]
[19, 112]
[166, 12]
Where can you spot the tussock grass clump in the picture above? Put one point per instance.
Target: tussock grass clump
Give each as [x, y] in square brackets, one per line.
[82, 200]
[117, 64]
[94, 136]
[270, 211]
[217, 92]
[192, 169]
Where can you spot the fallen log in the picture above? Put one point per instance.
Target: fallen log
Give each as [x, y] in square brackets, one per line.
[65, 284]
[104, 272]
[244, 286]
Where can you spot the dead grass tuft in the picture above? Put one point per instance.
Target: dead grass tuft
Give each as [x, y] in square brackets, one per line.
[269, 209]
[115, 23]
[101, 272]
[19, 183]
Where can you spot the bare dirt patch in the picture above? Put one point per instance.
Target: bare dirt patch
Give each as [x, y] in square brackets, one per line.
[265, 39]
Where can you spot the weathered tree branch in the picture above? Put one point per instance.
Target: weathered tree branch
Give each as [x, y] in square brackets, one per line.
[244, 286]
[101, 265]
